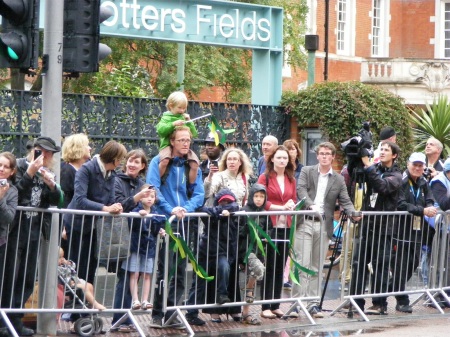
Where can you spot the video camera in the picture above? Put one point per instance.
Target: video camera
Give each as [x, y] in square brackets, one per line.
[359, 146]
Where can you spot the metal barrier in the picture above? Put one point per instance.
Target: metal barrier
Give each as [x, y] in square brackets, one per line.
[388, 249]
[196, 249]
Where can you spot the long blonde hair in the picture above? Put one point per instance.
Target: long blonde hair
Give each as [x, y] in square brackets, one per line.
[245, 168]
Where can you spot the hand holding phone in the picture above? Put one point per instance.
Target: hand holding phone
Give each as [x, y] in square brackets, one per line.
[215, 163]
[37, 153]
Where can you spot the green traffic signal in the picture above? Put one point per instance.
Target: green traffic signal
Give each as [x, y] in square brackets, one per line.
[12, 54]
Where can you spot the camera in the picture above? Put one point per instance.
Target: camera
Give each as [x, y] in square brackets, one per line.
[360, 145]
[3, 182]
[215, 163]
[427, 173]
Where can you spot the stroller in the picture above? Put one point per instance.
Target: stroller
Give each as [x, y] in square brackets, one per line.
[84, 324]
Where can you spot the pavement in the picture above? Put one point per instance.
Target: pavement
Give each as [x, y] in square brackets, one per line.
[424, 321]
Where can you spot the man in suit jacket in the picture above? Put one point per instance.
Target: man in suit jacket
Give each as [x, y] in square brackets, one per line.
[321, 187]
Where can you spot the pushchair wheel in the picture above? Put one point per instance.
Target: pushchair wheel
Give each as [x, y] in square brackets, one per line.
[85, 326]
[98, 325]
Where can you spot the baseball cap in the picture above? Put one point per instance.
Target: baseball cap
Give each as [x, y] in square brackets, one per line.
[226, 197]
[417, 157]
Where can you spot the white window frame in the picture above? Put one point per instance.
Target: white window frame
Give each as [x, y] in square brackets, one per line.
[382, 38]
[441, 30]
[345, 28]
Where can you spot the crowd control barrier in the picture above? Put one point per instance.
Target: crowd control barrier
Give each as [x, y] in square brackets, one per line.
[396, 254]
[205, 263]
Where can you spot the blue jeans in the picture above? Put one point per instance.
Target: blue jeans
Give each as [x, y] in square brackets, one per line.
[221, 276]
[177, 266]
[122, 297]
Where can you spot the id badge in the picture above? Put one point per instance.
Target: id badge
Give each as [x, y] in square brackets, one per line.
[373, 199]
[416, 223]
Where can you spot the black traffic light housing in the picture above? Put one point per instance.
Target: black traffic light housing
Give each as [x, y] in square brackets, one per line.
[19, 37]
[82, 50]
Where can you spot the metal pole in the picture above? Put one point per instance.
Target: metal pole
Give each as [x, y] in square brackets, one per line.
[311, 67]
[51, 127]
[327, 21]
[180, 69]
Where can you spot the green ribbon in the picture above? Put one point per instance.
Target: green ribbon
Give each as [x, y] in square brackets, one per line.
[61, 196]
[179, 244]
[255, 232]
[296, 268]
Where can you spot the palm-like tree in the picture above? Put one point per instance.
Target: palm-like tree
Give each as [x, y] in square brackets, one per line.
[433, 122]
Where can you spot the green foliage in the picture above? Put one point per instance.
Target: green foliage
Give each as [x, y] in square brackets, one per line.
[205, 66]
[432, 122]
[338, 109]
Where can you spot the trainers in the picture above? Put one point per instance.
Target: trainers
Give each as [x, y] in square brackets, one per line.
[315, 312]
[287, 285]
[222, 299]
[195, 320]
[156, 322]
[293, 313]
[404, 308]
[376, 310]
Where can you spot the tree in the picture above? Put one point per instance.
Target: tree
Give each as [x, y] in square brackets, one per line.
[338, 109]
[206, 66]
[432, 122]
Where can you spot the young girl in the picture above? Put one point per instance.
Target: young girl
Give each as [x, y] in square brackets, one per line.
[142, 248]
[176, 116]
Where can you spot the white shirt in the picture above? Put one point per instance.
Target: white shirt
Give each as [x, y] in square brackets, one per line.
[322, 183]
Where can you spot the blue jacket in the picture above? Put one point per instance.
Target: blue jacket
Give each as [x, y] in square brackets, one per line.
[173, 192]
[92, 192]
[144, 232]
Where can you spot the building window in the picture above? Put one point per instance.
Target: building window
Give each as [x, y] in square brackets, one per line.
[341, 25]
[447, 29]
[376, 27]
[380, 28]
[345, 33]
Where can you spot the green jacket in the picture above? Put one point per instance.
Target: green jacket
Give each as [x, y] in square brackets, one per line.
[165, 128]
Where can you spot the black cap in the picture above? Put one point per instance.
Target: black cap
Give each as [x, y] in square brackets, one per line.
[386, 133]
[47, 144]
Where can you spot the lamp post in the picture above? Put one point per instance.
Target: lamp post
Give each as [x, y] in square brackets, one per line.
[327, 19]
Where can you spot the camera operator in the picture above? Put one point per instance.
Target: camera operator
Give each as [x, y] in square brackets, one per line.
[434, 165]
[384, 181]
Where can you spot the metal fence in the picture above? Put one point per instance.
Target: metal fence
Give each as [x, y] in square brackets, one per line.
[192, 257]
[132, 121]
[396, 254]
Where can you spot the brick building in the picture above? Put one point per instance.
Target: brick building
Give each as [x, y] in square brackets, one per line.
[402, 45]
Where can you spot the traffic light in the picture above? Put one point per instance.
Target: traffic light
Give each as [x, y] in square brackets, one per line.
[82, 51]
[19, 37]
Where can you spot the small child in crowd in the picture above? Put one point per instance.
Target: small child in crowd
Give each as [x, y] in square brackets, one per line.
[66, 269]
[176, 116]
[142, 248]
[257, 198]
[216, 254]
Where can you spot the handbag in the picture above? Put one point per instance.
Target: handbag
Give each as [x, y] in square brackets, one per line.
[113, 240]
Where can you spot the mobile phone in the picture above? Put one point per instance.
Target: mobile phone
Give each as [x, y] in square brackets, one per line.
[3, 182]
[37, 153]
[215, 163]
